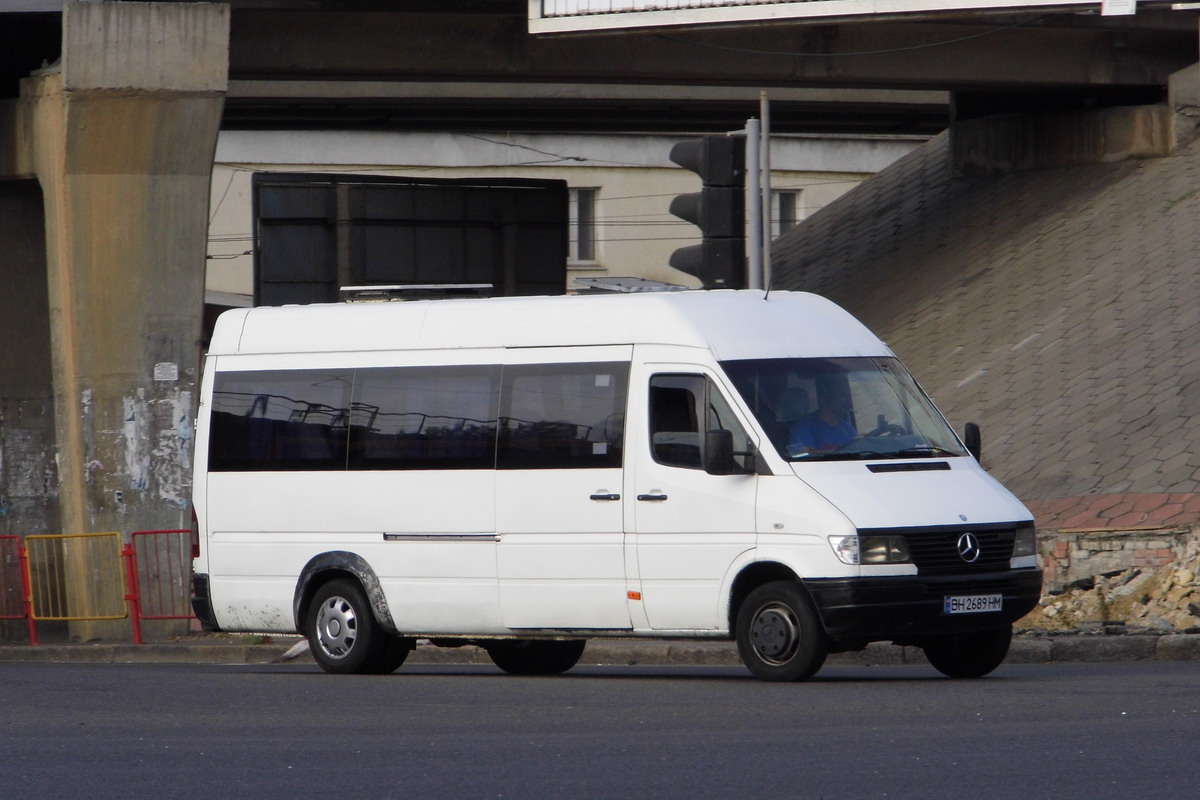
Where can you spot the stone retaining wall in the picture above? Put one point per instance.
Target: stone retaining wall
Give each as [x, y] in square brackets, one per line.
[1133, 580]
[1083, 537]
[1071, 556]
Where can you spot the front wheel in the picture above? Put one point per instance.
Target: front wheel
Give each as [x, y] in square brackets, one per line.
[344, 637]
[969, 655]
[779, 636]
[535, 656]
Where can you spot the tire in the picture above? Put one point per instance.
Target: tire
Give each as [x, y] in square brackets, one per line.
[969, 655]
[393, 654]
[535, 656]
[779, 635]
[344, 637]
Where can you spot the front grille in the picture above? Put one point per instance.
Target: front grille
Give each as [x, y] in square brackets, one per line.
[935, 551]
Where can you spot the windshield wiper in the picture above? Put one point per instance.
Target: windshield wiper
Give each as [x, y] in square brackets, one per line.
[923, 451]
[852, 455]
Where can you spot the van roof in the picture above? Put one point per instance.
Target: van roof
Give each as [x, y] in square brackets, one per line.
[733, 324]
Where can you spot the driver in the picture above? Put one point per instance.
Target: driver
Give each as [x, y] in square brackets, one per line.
[830, 426]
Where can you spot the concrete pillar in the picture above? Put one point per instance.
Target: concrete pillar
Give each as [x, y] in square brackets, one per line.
[121, 137]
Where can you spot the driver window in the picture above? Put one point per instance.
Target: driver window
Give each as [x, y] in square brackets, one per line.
[682, 409]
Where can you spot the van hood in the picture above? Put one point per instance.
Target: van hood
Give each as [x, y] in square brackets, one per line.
[897, 495]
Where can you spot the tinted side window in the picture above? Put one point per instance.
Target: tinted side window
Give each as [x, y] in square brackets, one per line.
[554, 416]
[676, 411]
[682, 409]
[276, 420]
[562, 416]
[424, 418]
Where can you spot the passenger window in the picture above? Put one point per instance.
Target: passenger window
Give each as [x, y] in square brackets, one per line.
[683, 409]
[424, 418]
[277, 420]
[562, 416]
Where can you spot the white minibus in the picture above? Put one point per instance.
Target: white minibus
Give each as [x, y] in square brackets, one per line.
[525, 474]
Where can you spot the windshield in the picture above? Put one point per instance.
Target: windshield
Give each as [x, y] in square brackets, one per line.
[842, 408]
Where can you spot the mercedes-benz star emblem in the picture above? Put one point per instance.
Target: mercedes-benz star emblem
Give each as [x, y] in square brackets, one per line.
[968, 548]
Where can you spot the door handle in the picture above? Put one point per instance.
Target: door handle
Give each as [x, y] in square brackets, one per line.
[606, 496]
[658, 498]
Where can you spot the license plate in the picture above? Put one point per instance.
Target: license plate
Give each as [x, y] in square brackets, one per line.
[974, 603]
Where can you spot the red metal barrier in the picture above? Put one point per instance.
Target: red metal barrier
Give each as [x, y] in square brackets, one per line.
[14, 584]
[161, 561]
[158, 568]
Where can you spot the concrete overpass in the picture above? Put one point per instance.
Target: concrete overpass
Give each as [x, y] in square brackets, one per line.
[112, 109]
[412, 69]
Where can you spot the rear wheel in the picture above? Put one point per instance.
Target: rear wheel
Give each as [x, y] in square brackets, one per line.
[969, 655]
[779, 635]
[344, 637]
[535, 656]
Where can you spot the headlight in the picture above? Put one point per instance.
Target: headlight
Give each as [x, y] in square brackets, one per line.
[1025, 542]
[884, 550]
[870, 549]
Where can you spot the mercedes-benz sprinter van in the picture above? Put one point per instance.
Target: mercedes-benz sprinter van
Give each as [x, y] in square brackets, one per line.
[524, 474]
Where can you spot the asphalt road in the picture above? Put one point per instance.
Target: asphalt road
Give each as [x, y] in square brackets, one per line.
[1126, 730]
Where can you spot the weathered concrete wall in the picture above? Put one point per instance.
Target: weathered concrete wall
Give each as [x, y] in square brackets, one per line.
[28, 477]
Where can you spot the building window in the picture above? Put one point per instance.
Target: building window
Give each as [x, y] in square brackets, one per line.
[583, 226]
[785, 213]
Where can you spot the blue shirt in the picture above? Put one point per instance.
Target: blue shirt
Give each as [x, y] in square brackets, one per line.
[814, 433]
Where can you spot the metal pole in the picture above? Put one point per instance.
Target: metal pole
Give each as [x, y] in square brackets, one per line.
[27, 592]
[764, 160]
[753, 207]
[133, 595]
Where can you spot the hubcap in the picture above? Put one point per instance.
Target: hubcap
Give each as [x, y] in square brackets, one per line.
[775, 633]
[337, 627]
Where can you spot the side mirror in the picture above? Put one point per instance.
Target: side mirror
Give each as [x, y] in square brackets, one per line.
[720, 458]
[971, 438]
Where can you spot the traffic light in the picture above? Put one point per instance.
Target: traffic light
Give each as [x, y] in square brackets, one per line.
[718, 209]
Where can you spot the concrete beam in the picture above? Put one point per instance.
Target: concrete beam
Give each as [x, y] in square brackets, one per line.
[1043, 52]
[1016, 142]
[167, 47]
[461, 91]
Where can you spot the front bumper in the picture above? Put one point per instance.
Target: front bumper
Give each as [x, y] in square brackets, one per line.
[909, 607]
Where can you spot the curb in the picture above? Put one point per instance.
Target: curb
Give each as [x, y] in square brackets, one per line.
[1026, 649]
